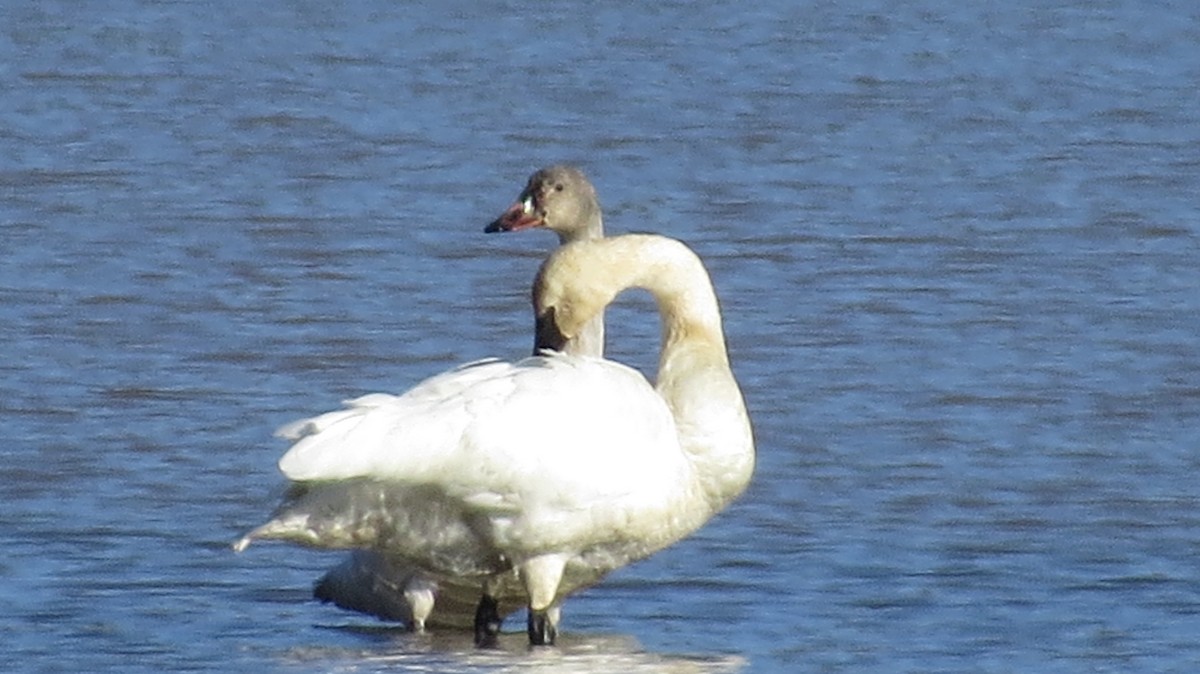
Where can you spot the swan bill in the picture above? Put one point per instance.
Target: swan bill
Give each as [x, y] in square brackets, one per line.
[519, 216]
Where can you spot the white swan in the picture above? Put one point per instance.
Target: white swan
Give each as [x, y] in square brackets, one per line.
[561, 199]
[548, 472]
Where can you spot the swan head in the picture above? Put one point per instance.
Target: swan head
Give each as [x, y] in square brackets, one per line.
[558, 198]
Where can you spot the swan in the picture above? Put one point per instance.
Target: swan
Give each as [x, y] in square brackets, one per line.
[547, 472]
[559, 198]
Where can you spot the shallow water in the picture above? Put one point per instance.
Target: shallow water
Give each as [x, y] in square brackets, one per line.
[957, 250]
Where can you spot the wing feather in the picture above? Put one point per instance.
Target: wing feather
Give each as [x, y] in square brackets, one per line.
[556, 433]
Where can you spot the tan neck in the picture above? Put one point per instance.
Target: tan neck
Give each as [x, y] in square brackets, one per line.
[590, 340]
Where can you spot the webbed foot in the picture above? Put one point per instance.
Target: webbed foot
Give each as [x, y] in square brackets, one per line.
[487, 622]
[542, 628]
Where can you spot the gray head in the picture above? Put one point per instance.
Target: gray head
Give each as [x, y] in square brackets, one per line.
[559, 198]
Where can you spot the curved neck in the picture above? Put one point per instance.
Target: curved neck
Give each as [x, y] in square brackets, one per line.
[694, 377]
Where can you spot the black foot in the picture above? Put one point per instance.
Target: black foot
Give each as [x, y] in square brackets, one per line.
[541, 629]
[487, 621]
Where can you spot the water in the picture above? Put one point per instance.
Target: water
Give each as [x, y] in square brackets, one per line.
[957, 249]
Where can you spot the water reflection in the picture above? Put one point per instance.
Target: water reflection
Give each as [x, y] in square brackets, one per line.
[455, 652]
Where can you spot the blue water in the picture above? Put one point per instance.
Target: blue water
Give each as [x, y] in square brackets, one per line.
[957, 247]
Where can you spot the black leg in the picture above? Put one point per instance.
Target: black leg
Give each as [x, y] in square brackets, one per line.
[487, 621]
[542, 630]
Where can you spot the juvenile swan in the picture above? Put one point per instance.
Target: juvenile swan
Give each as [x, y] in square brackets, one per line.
[550, 471]
[557, 198]
[562, 200]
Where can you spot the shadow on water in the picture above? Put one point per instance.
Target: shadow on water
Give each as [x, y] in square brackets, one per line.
[395, 649]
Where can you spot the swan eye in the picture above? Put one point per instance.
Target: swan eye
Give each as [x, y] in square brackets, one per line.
[527, 205]
[558, 187]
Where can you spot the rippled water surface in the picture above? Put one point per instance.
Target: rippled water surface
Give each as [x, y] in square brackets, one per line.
[956, 246]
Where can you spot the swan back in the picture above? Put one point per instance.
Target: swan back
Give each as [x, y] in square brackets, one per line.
[551, 454]
[485, 426]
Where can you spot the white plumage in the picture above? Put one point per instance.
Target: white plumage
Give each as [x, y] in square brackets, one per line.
[600, 441]
[548, 472]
